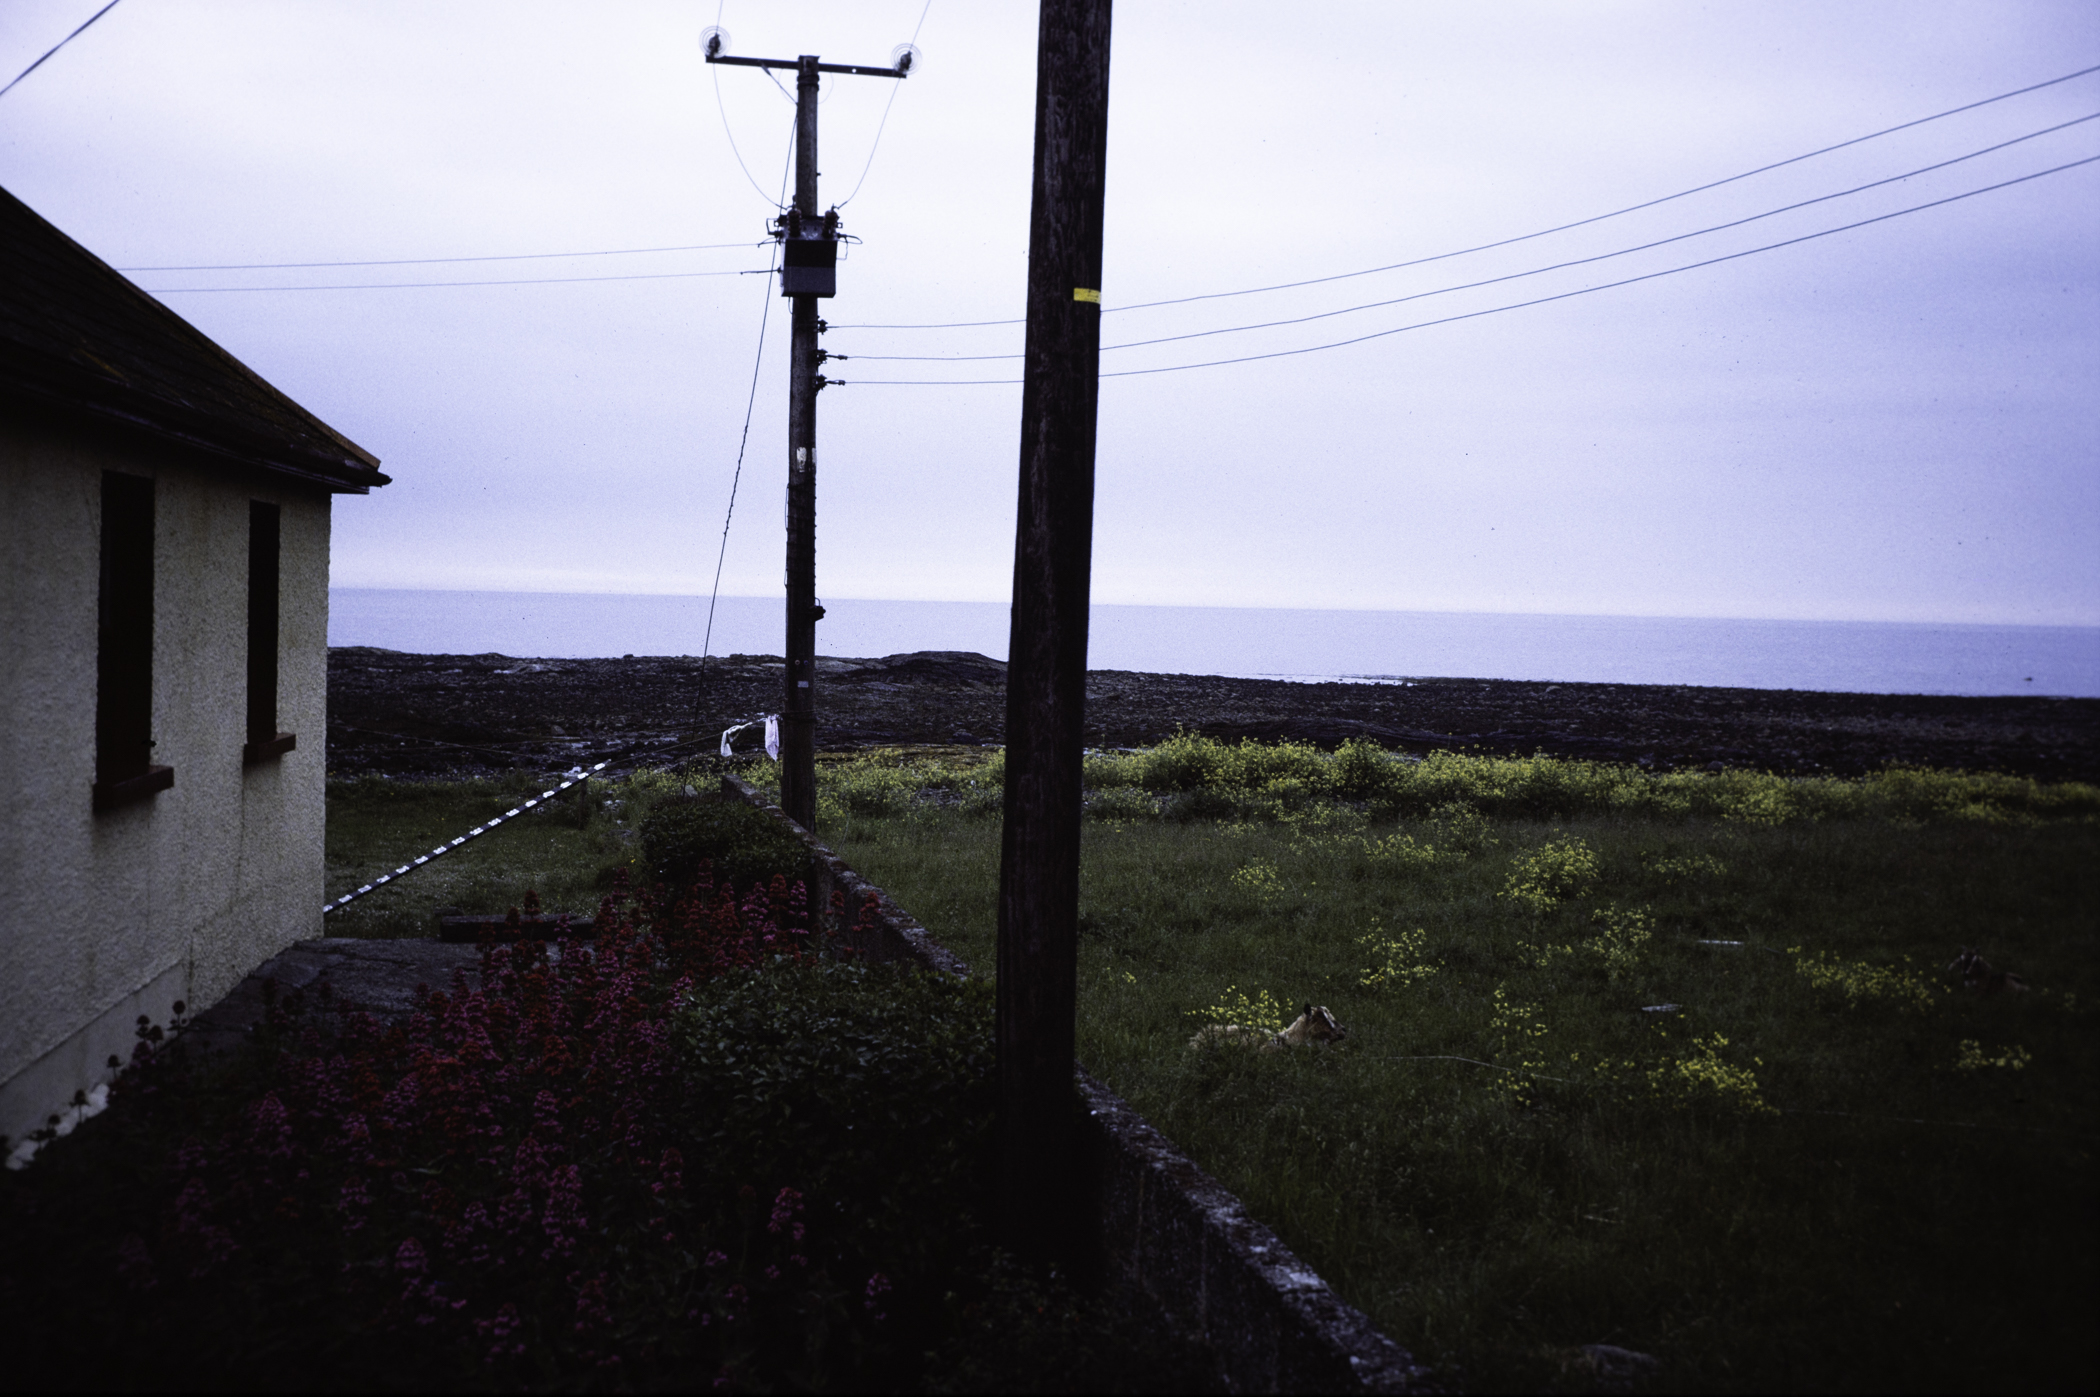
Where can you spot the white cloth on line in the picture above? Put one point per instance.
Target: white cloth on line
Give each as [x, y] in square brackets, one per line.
[773, 736]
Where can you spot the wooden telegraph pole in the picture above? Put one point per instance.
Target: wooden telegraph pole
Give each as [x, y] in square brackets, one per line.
[808, 272]
[1046, 671]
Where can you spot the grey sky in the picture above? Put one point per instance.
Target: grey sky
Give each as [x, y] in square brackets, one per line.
[1898, 422]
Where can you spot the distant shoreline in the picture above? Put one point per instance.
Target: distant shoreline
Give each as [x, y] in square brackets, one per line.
[406, 714]
[1826, 656]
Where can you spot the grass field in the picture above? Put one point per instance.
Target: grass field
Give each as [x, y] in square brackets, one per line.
[376, 825]
[1666, 1063]
[566, 850]
[1823, 1166]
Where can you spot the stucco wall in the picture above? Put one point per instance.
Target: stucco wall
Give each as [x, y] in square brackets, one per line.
[104, 917]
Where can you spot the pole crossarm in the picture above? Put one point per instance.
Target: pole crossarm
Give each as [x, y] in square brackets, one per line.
[855, 69]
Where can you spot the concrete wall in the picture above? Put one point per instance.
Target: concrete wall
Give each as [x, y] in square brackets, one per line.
[106, 917]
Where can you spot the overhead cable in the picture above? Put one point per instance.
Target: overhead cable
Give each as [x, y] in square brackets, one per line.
[428, 261]
[1527, 237]
[881, 125]
[1517, 305]
[716, 74]
[57, 46]
[423, 285]
[1518, 276]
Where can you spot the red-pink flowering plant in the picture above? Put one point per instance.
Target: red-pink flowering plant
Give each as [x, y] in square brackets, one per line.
[520, 1182]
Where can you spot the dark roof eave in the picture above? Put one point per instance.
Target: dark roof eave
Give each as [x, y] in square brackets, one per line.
[108, 401]
[77, 334]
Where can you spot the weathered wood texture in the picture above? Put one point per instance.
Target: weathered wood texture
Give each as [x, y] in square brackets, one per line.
[798, 710]
[1046, 677]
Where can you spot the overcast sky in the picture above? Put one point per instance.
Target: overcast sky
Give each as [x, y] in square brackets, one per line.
[1898, 422]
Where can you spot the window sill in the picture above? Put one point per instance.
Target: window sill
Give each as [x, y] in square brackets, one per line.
[269, 749]
[111, 794]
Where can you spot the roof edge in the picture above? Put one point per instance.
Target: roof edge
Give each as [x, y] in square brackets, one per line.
[145, 409]
[344, 476]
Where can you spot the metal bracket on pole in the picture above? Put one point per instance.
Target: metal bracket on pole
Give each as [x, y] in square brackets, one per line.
[854, 69]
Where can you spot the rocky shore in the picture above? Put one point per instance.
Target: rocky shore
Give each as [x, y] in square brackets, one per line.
[457, 715]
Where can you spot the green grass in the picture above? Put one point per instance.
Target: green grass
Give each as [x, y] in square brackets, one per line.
[376, 825]
[1802, 1179]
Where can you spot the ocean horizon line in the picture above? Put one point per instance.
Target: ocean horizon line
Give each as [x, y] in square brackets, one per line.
[1832, 656]
[776, 600]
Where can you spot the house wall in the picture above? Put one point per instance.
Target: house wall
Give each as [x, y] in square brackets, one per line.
[106, 917]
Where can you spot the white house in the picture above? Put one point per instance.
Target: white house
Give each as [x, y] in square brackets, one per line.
[163, 665]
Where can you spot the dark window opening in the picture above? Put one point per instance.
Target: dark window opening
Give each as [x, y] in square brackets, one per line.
[264, 741]
[124, 768]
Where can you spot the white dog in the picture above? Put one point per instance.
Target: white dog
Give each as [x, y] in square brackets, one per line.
[1315, 1025]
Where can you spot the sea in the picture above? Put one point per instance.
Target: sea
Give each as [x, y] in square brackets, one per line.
[1268, 643]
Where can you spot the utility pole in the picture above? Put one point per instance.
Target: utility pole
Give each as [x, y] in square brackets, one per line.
[1038, 948]
[808, 272]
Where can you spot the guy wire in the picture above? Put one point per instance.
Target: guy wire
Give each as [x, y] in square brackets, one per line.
[750, 403]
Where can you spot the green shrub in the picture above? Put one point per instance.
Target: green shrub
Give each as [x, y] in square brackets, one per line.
[869, 1086]
[1360, 770]
[745, 845]
[1202, 778]
[1558, 870]
[1202, 803]
[1101, 771]
[1121, 803]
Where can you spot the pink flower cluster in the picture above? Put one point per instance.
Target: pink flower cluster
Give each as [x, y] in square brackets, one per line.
[502, 1175]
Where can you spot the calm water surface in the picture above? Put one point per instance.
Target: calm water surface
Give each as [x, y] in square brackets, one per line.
[1857, 657]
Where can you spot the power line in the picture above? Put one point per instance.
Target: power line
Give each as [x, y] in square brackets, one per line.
[731, 135]
[1518, 305]
[422, 285]
[750, 402]
[427, 261]
[981, 324]
[882, 125]
[57, 46]
[1527, 237]
[971, 324]
[1535, 271]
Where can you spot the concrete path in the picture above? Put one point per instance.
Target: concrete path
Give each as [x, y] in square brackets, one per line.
[379, 977]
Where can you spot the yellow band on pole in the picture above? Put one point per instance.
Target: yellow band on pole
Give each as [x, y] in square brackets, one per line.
[1087, 294]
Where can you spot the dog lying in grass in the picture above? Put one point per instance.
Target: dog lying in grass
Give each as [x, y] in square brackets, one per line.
[1315, 1025]
[1976, 974]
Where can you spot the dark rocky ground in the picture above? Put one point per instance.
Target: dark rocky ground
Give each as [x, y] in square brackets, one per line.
[431, 715]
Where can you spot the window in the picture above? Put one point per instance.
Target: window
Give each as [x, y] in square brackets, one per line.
[124, 769]
[264, 741]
